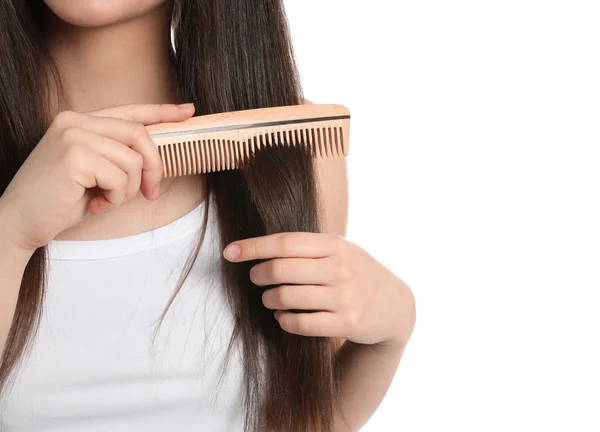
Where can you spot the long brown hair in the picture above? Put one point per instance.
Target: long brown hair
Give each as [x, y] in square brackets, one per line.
[229, 55]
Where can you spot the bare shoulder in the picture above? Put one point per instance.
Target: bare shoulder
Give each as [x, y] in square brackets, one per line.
[332, 177]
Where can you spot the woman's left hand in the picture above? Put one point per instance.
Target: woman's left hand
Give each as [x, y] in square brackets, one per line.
[350, 294]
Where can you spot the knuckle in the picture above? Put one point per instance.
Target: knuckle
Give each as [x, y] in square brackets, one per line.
[76, 168]
[353, 319]
[130, 110]
[303, 324]
[285, 296]
[344, 271]
[286, 242]
[73, 154]
[137, 161]
[272, 269]
[122, 182]
[64, 119]
[70, 135]
[139, 132]
[254, 248]
[339, 243]
[277, 269]
[131, 192]
[346, 297]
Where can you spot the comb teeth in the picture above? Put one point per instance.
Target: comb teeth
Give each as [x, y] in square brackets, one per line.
[225, 141]
[216, 154]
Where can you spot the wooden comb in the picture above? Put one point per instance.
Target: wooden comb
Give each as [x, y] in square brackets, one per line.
[218, 142]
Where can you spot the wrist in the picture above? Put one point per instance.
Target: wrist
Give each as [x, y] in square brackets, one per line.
[9, 242]
[401, 329]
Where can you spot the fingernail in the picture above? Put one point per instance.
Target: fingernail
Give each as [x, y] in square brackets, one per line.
[186, 105]
[156, 192]
[232, 252]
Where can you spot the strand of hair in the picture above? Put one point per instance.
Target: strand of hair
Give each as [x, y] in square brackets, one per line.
[238, 153]
[198, 157]
[215, 150]
[215, 147]
[228, 155]
[215, 154]
[209, 156]
[221, 154]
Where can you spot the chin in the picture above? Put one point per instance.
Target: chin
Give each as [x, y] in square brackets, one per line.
[98, 13]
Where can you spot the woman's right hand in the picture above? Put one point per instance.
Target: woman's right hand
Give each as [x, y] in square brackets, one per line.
[86, 162]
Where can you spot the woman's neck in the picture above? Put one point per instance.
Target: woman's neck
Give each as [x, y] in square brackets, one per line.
[127, 62]
[124, 63]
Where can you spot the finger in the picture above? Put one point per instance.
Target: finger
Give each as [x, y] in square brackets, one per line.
[126, 159]
[113, 181]
[284, 245]
[135, 136]
[299, 271]
[324, 324]
[147, 114]
[99, 204]
[304, 297]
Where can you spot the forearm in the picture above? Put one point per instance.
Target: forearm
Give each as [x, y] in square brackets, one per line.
[13, 261]
[366, 372]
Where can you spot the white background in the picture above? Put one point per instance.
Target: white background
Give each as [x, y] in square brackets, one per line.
[475, 175]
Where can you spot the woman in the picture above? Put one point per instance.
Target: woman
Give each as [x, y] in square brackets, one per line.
[92, 237]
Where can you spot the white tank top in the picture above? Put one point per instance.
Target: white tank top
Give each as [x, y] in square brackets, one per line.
[94, 365]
